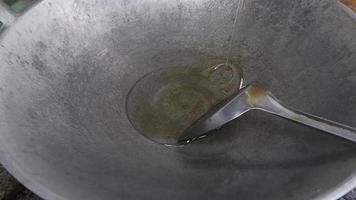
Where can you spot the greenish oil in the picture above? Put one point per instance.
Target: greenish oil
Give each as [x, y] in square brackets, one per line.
[165, 102]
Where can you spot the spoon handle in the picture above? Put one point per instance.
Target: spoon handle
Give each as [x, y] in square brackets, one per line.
[270, 104]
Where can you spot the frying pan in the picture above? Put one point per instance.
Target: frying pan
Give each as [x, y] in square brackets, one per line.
[66, 68]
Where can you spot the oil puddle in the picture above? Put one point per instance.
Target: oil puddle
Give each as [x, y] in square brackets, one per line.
[165, 102]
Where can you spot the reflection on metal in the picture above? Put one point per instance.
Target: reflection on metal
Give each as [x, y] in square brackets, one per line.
[19, 6]
[256, 97]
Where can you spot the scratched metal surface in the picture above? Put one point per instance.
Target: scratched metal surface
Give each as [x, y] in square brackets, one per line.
[66, 68]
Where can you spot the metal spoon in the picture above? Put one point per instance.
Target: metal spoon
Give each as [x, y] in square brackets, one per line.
[255, 97]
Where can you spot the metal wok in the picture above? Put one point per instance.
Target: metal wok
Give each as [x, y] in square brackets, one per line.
[66, 68]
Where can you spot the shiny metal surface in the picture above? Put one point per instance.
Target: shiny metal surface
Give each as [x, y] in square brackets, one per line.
[218, 116]
[255, 97]
[66, 68]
